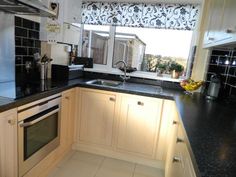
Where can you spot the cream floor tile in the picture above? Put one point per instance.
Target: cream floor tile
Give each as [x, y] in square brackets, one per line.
[66, 159]
[115, 168]
[76, 168]
[54, 172]
[87, 157]
[145, 171]
[82, 164]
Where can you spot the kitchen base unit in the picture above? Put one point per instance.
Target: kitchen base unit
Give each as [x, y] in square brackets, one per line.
[138, 129]
[178, 161]
[66, 134]
[8, 144]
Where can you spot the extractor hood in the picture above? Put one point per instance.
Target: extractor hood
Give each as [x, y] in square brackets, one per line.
[27, 7]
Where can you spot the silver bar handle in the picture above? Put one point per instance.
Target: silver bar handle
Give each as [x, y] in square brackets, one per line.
[175, 122]
[27, 124]
[112, 99]
[179, 140]
[140, 103]
[176, 159]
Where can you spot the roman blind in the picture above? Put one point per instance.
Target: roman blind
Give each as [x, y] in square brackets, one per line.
[161, 16]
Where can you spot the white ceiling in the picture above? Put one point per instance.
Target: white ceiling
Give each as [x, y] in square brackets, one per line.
[152, 1]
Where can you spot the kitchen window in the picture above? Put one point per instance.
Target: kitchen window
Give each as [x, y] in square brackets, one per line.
[95, 43]
[150, 50]
[154, 39]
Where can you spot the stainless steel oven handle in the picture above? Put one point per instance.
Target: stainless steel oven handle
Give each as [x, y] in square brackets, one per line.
[27, 124]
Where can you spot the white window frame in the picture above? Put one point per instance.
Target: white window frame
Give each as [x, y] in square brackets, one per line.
[108, 69]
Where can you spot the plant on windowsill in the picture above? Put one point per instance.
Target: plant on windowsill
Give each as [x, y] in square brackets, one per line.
[176, 69]
[161, 68]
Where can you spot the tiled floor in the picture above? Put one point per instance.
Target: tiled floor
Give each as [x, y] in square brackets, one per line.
[81, 164]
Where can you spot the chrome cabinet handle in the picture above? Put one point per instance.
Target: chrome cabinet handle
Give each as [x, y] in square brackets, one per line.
[179, 140]
[112, 99]
[175, 122]
[140, 103]
[176, 159]
[210, 39]
[12, 121]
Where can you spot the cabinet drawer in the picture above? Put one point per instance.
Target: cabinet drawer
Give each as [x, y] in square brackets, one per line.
[183, 154]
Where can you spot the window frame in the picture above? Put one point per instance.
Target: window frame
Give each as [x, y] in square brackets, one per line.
[108, 69]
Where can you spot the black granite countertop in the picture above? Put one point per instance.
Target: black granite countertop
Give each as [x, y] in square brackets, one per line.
[211, 130]
[210, 125]
[25, 96]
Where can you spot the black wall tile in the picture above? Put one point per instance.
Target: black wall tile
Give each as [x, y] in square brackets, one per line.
[18, 21]
[21, 51]
[18, 41]
[218, 65]
[221, 52]
[28, 24]
[21, 32]
[37, 26]
[31, 51]
[27, 58]
[19, 60]
[37, 44]
[27, 42]
[33, 34]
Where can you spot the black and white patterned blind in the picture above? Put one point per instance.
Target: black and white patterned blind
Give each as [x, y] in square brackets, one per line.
[162, 16]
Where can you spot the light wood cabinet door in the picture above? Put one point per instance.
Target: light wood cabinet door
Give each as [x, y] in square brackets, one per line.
[67, 119]
[212, 34]
[228, 27]
[72, 11]
[139, 125]
[8, 144]
[97, 116]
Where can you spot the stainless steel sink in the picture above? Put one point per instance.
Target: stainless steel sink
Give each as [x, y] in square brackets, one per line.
[103, 82]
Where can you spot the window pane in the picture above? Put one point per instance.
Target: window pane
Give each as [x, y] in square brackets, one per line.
[152, 50]
[95, 43]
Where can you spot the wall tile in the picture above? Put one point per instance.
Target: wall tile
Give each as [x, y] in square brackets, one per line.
[18, 21]
[18, 41]
[28, 24]
[27, 42]
[21, 32]
[222, 62]
[33, 34]
[21, 51]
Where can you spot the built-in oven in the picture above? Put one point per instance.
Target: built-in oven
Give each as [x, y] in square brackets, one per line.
[38, 131]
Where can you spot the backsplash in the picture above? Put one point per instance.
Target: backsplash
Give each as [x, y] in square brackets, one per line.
[27, 42]
[223, 62]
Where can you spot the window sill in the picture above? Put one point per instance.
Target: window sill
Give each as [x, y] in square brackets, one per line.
[140, 74]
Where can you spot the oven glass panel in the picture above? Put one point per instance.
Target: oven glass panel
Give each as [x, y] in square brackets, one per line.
[40, 134]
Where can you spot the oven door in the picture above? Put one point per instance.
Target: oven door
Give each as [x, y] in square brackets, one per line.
[38, 136]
